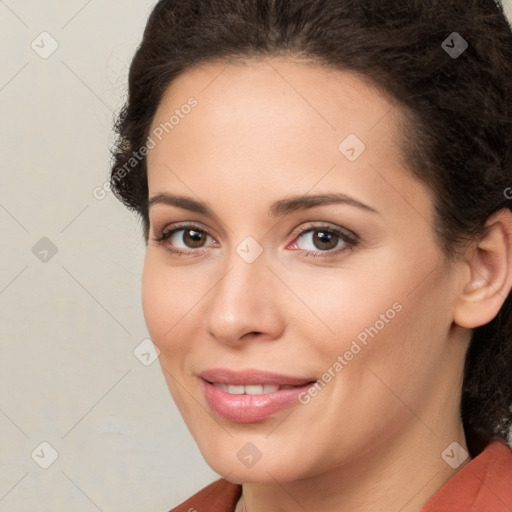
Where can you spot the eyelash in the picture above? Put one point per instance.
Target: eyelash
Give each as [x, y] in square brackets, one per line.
[351, 241]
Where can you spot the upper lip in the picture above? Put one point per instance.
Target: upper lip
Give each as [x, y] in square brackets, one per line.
[252, 376]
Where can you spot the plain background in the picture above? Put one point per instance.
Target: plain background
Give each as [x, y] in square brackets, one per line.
[70, 312]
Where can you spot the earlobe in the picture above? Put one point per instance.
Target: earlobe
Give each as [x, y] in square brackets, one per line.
[490, 270]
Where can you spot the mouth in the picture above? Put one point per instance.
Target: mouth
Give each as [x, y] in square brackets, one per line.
[251, 378]
[251, 395]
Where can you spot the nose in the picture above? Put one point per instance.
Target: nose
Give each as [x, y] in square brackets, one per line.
[245, 303]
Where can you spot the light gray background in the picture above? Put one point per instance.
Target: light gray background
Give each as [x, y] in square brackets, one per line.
[69, 325]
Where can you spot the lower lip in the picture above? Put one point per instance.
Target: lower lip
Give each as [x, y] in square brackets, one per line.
[250, 408]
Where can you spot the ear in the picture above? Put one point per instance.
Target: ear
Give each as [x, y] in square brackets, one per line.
[489, 261]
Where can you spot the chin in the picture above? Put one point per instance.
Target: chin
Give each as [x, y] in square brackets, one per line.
[266, 470]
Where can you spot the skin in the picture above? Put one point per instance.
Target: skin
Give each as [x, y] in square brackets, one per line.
[372, 439]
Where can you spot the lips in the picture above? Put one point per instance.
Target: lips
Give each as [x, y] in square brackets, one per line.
[251, 395]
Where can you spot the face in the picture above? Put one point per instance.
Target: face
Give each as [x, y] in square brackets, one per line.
[346, 292]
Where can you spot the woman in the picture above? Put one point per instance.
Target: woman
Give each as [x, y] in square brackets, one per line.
[325, 194]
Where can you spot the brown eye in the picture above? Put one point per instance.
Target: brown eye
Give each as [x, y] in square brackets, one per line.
[324, 240]
[193, 238]
[184, 238]
[319, 240]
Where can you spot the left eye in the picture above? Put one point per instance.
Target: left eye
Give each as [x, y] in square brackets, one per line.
[320, 240]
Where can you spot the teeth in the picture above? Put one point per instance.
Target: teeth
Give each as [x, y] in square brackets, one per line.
[250, 389]
[235, 390]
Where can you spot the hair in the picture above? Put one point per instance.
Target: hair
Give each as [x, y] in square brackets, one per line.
[456, 110]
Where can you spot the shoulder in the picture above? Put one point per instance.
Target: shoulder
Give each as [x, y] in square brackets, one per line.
[482, 485]
[219, 496]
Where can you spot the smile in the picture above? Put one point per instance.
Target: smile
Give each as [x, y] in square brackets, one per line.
[250, 389]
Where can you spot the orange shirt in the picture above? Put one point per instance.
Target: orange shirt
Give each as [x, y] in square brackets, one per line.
[482, 485]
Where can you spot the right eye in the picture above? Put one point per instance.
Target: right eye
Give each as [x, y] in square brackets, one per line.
[189, 236]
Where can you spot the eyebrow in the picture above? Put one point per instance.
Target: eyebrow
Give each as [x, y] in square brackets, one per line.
[277, 209]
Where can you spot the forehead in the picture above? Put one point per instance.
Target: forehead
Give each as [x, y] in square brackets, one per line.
[266, 124]
[255, 109]
[281, 87]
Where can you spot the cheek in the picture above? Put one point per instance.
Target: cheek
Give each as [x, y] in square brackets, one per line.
[389, 318]
[354, 302]
[401, 359]
[164, 299]
[165, 303]
[173, 301]
[153, 299]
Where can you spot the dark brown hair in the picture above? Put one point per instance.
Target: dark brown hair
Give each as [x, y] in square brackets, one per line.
[458, 109]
